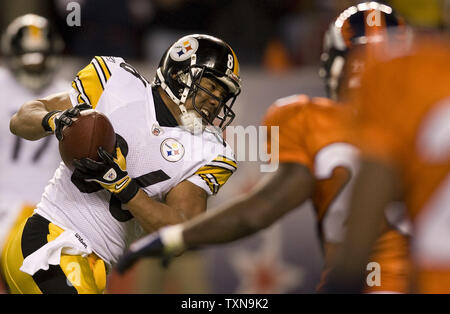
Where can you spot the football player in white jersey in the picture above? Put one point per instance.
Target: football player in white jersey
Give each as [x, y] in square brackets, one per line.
[169, 158]
[31, 50]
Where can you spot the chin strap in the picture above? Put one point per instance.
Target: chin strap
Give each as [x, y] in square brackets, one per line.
[189, 119]
[192, 122]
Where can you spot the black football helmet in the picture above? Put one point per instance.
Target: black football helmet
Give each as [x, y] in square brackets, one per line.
[190, 59]
[356, 26]
[31, 48]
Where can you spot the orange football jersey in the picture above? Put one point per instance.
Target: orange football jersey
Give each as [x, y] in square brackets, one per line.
[404, 106]
[404, 119]
[307, 127]
[318, 133]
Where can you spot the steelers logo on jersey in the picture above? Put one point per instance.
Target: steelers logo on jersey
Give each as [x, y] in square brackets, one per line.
[184, 49]
[172, 150]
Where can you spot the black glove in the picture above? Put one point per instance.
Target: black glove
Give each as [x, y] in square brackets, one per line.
[165, 244]
[55, 121]
[111, 173]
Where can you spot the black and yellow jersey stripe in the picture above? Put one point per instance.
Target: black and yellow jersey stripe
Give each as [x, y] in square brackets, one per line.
[91, 81]
[217, 172]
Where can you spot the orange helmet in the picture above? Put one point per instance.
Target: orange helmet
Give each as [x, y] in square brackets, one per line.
[358, 25]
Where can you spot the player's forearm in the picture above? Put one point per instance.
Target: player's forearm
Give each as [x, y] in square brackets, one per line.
[152, 214]
[27, 122]
[227, 224]
[276, 195]
[375, 188]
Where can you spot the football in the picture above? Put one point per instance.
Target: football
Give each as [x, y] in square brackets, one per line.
[90, 130]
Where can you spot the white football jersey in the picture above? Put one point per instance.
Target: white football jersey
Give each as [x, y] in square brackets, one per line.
[26, 166]
[158, 158]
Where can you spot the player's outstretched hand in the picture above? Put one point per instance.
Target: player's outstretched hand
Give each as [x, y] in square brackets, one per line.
[165, 244]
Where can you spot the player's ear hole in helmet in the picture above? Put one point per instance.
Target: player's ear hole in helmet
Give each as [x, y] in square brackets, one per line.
[32, 47]
[193, 58]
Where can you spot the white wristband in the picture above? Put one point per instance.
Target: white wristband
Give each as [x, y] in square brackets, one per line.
[172, 238]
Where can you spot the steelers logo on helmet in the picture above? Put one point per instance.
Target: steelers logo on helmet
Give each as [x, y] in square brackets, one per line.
[184, 49]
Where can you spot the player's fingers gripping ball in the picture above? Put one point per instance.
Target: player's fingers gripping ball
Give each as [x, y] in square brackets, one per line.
[56, 120]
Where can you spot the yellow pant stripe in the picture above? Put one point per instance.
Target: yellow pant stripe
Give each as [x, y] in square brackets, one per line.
[85, 274]
[12, 258]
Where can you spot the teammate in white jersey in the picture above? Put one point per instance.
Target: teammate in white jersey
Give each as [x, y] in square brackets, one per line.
[31, 48]
[168, 160]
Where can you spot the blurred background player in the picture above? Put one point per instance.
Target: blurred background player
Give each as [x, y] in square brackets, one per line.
[31, 51]
[404, 140]
[317, 161]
